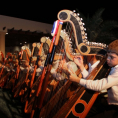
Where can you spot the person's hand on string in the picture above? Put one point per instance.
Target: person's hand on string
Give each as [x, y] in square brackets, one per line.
[73, 77]
[79, 61]
[63, 65]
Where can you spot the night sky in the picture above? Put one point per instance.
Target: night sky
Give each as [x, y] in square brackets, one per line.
[46, 11]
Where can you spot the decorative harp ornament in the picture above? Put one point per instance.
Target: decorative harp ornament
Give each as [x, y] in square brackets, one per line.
[83, 46]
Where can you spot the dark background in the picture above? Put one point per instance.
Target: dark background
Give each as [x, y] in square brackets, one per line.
[46, 11]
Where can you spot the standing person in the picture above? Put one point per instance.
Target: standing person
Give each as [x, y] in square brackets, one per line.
[110, 83]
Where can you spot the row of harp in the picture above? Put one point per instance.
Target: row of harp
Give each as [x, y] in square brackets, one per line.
[22, 72]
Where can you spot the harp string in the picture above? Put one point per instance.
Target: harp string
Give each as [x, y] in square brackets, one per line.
[58, 105]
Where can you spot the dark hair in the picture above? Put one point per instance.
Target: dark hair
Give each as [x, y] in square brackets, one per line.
[110, 51]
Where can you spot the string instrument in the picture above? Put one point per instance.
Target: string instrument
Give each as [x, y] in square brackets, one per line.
[1, 63]
[37, 52]
[43, 47]
[6, 69]
[14, 75]
[50, 55]
[82, 47]
[79, 104]
[24, 71]
[14, 70]
[15, 56]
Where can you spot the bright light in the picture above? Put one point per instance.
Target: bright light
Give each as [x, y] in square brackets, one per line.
[25, 42]
[6, 32]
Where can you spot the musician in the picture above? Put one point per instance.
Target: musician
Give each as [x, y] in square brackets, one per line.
[93, 62]
[59, 69]
[16, 64]
[40, 67]
[110, 83]
[78, 60]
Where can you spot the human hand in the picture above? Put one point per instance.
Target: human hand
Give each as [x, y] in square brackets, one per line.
[62, 65]
[73, 77]
[79, 61]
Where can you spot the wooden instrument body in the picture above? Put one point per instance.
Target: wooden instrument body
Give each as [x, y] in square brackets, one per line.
[46, 97]
[82, 48]
[79, 104]
[14, 76]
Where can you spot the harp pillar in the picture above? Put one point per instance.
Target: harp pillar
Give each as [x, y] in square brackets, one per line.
[2, 42]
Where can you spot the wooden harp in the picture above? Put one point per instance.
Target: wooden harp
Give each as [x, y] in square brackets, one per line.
[75, 31]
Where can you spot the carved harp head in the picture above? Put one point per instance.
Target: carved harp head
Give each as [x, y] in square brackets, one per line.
[74, 35]
[35, 51]
[26, 53]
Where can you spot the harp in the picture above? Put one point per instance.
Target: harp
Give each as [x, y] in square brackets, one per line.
[44, 46]
[5, 71]
[1, 63]
[37, 52]
[75, 31]
[14, 75]
[23, 72]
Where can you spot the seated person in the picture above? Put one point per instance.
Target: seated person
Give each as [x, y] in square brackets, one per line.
[59, 69]
[110, 83]
[72, 66]
[92, 63]
[40, 67]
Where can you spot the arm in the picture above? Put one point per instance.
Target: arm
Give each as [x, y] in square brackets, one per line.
[79, 61]
[96, 85]
[85, 73]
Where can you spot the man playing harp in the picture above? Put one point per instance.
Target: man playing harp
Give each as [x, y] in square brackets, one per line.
[110, 83]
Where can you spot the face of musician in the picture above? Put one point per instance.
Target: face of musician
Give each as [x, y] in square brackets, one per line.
[39, 62]
[16, 62]
[112, 59]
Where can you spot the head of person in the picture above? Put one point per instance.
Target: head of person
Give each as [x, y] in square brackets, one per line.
[112, 54]
[16, 62]
[39, 61]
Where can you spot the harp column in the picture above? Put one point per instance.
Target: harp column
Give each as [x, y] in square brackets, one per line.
[2, 42]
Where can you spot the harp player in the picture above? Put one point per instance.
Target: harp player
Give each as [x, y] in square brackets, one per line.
[110, 83]
[92, 60]
[78, 60]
